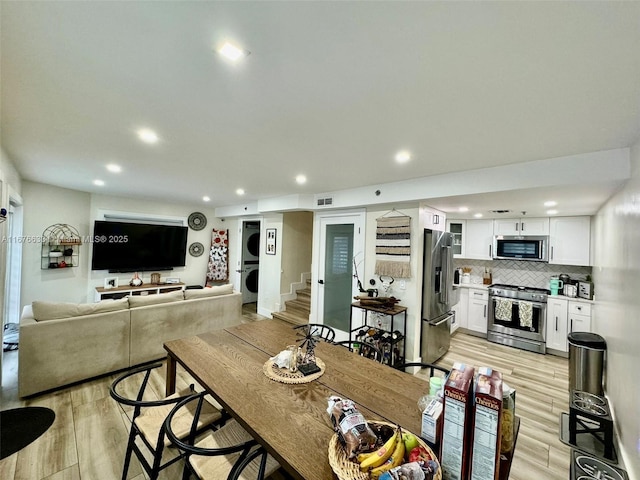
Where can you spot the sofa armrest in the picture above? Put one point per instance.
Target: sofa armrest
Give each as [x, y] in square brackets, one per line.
[54, 353]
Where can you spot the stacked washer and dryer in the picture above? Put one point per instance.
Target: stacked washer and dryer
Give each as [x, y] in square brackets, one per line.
[250, 261]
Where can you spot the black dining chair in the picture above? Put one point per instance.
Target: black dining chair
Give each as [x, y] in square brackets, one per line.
[147, 420]
[228, 452]
[364, 349]
[432, 368]
[317, 329]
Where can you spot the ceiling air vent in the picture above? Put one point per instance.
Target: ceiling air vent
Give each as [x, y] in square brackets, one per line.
[325, 201]
[500, 211]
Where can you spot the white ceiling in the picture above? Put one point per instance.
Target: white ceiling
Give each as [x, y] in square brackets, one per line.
[331, 90]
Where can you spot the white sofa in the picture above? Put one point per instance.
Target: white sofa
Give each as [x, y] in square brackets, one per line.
[63, 343]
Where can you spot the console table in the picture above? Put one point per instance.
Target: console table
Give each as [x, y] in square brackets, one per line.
[144, 289]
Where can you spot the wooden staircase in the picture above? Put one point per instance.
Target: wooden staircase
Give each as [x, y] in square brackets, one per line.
[297, 311]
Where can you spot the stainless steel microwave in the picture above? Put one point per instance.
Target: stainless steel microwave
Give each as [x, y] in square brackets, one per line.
[533, 248]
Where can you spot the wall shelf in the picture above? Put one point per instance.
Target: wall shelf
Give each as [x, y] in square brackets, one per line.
[60, 247]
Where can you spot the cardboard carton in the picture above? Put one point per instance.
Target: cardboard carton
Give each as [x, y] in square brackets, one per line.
[487, 428]
[456, 431]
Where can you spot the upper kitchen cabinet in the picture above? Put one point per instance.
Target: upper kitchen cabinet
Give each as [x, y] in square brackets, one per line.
[569, 240]
[432, 219]
[521, 226]
[457, 227]
[478, 239]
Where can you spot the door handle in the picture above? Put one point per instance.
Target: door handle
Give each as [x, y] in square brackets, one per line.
[321, 282]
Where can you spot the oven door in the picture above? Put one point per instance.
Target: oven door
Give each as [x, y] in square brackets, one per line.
[515, 317]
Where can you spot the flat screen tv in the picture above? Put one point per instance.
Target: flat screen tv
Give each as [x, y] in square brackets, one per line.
[131, 247]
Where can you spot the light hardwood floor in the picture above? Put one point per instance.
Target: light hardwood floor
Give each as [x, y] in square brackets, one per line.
[88, 438]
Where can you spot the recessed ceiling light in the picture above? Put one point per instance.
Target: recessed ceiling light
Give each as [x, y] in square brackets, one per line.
[403, 156]
[463, 209]
[477, 215]
[99, 183]
[240, 191]
[550, 203]
[206, 199]
[147, 135]
[113, 168]
[552, 212]
[301, 179]
[232, 52]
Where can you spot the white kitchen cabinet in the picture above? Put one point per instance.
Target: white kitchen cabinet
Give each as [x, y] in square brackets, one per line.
[457, 227]
[478, 240]
[557, 317]
[521, 226]
[478, 310]
[569, 240]
[432, 219]
[462, 309]
[579, 317]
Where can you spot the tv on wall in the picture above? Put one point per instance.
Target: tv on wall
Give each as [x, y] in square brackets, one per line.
[130, 247]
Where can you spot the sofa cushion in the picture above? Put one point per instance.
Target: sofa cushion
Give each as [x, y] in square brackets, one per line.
[209, 291]
[142, 300]
[55, 310]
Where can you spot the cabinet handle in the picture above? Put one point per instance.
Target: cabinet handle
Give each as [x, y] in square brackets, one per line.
[552, 253]
[490, 251]
[517, 226]
[522, 229]
[578, 308]
[485, 310]
[556, 323]
[571, 325]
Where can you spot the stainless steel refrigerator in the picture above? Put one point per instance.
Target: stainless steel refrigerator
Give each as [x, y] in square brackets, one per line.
[438, 295]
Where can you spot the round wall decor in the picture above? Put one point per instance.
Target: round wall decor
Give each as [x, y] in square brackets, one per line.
[197, 221]
[196, 249]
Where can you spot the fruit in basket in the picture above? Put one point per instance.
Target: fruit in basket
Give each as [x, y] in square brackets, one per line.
[419, 454]
[382, 454]
[396, 459]
[410, 441]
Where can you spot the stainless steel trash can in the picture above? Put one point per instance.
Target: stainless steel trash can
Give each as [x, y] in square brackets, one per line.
[586, 362]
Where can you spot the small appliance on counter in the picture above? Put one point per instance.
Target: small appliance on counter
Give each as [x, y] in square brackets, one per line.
[555, 285]
[585, 289]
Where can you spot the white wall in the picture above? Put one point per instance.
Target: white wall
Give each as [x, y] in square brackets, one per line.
[411, 295]
[270, 267]
[616, 314]
[45, 205]
[297, 238]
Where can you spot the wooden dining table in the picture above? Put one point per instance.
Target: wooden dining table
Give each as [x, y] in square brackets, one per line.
[291, 420]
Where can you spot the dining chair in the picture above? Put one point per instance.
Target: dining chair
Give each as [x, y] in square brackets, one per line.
[323, 331]
[432, 368]
[147, 421]
[364, 349]
[229, 452]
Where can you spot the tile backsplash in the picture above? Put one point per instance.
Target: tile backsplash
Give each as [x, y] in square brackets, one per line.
[519, 272]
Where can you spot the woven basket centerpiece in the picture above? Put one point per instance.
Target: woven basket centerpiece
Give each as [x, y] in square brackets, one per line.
[346, 469]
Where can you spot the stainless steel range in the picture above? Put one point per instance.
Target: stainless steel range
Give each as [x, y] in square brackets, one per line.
[517, 316]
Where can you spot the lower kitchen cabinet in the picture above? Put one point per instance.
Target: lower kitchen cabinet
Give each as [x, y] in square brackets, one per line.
[579, 317]
[462, 309]
[478, 310]
[563, 317]
[557, 316]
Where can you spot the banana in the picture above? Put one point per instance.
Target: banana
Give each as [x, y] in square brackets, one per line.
[396, 459]
[382, 454]
[363, 456]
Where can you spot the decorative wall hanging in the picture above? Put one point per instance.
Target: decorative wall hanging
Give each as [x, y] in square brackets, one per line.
[196, 249]
[218, 269]
[271, 241]
[197, 221]
[393, 246]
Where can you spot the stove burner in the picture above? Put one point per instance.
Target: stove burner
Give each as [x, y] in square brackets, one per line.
[594, 468]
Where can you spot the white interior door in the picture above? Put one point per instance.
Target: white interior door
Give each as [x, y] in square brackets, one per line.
[339, 237]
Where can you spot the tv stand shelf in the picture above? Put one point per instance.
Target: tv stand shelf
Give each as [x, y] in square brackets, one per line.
[144, 289]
